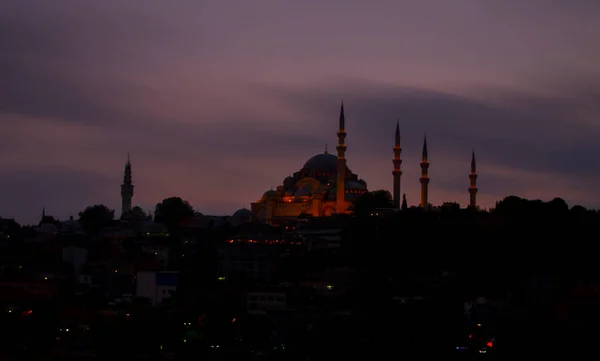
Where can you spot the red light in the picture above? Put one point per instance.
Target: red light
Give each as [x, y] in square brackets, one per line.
[470, 336]
[489, 344]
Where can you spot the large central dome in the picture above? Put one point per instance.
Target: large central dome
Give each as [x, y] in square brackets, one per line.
[324, 162]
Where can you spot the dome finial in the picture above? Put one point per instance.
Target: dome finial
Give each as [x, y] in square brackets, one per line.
[326, 149]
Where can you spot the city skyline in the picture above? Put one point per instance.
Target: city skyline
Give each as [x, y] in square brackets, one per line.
[203, 93]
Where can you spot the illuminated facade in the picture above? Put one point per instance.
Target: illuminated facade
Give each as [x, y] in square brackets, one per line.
[324, 186]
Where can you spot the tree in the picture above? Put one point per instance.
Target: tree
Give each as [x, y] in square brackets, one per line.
[373, 200]
[558, 206]
[450, 207]
[172, 212]
[95, 218]
[136, 213]
[404, 203]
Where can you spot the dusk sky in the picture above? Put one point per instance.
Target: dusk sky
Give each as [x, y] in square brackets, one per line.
[217, 101]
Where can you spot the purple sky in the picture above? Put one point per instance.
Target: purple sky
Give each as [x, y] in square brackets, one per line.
[217, 101]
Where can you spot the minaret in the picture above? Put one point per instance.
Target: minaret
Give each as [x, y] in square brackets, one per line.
[424, 175]
[473, 185]
[397, 171]
[126, 189]
[43, 216]
[341, 164]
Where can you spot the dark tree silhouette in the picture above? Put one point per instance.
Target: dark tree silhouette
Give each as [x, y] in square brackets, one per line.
[373, 200]
[95, 218]
[172, 212]
[558, 206]
[578, 210]
[450, 207]
[404, 203]
[136, 213]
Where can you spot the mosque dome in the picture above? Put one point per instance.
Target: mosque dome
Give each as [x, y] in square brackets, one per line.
[242, 214]
[270, 193]
[323, 162]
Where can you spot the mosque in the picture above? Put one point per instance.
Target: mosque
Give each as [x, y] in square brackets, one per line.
[325, 185]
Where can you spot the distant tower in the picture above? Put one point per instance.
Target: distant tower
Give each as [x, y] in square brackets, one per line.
[397, 171]
[424, 175]
[126, 189]
[43, 216]
[473, 185]
[341, 163]
[404, 203]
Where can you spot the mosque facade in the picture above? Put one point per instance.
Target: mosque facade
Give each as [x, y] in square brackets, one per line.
[325, 185]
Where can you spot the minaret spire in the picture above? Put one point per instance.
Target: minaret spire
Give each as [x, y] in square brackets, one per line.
[126, 188]
[397, 172]
[342, 117]
[424, 175]
[473, 184]
[326, 152]
[340, 203]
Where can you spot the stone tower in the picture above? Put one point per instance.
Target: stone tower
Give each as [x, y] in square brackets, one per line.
[341, 164]
[473, 185]
[126, 189]
[397, 172]
[424, 175]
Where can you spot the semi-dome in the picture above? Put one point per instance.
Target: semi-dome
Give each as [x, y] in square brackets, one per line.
[270, 193]
[351, 184]
[242, 213]
[324, 162]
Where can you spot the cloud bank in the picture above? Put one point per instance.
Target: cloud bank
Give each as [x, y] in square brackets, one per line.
[217, 106]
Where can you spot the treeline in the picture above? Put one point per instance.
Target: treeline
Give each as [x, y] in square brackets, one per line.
[518, 237]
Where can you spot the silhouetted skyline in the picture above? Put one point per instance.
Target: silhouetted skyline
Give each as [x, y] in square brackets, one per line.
[206, 92]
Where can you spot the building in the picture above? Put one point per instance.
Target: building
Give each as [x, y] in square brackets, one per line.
[261, 302]
[322, 187]
[249, 255]
[326, 186]
[156, 286]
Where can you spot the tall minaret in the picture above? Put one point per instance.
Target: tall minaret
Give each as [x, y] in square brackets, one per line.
[424, 175]
[341, 163]
[397, 171]
[126, 189]
[473, 185]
